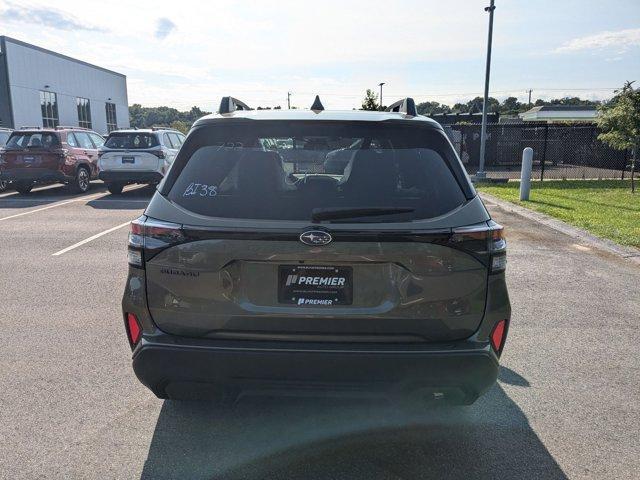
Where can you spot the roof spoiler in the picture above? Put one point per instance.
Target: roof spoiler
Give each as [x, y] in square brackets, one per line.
[230, 104]
[406, 105]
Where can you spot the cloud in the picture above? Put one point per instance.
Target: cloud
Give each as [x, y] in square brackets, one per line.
[164, 27]
[48, 17]
[620, 41]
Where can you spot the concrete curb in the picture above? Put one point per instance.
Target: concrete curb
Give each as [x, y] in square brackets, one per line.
[628, 253]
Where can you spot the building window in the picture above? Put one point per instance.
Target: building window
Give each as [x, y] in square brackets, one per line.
[49, 107]
[84, 112]
[112, 122]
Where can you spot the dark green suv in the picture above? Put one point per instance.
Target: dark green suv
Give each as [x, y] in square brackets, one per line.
[257, 268]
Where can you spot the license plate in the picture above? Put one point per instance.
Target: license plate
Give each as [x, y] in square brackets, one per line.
[128, 159]
[28, 159]
[315, 285]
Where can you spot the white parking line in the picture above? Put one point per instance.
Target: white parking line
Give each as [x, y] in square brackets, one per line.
[8, 201]
[87, 240]
[36, 189]
[60, 204]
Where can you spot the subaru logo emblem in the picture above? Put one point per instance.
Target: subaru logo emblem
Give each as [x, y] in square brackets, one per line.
[315, 237]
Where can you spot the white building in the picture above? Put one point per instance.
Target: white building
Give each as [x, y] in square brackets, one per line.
[560, 113]
[39, 87]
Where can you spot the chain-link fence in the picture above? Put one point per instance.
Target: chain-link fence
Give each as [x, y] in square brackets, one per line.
[559, 151]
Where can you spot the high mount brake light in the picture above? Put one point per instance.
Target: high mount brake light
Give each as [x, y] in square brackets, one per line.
[486, 240]
[147, 237]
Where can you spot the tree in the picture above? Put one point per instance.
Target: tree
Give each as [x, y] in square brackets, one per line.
[619, 121]
[180, 126]
[475, 106]
[145, 117]
[510, 105]
[573, 101]
[432, 108]
[460, 108]
[370, 101]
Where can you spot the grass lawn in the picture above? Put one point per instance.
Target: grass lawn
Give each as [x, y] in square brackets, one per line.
[605, 208]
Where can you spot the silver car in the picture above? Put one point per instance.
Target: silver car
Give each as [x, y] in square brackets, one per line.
[256, 267]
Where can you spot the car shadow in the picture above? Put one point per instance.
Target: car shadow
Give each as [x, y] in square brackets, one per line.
[133, 199]
[43, 196]
[294, 438]
[506, 375]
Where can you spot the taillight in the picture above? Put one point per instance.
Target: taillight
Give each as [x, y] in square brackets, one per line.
[147, 237]
[486, 241]
[133, 329]
[159, 153]
[497, 248]
[498, 336]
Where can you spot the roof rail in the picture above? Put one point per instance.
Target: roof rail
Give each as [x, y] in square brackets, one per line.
[317, 104]
[66, 127]
[27, 127]
[160, 127]
[406, 105]
[230, 104]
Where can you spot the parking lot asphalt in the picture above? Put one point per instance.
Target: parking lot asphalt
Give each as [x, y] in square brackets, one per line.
[567, 404]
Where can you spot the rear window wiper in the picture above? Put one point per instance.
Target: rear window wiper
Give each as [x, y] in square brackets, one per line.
[320, 214]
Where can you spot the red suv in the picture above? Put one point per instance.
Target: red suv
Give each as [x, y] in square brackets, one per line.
[45, 155]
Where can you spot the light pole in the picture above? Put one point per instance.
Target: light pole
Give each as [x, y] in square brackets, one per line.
[381, 84]
[483, 134]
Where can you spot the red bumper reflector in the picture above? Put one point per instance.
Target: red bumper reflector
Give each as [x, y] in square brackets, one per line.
[133, 328]
[497, 336]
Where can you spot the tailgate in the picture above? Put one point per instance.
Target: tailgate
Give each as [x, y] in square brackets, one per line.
[131, 160]
[352, 291]
[32, 159]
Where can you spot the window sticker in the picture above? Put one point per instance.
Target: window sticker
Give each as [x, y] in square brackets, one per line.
[200, 190]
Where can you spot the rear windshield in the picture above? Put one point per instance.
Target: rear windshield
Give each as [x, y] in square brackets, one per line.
[131, 141]
[33, 140]
[292, 170]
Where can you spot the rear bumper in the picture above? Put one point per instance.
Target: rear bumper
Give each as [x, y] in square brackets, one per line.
[176, 366]
[109, 176]
[37, 175]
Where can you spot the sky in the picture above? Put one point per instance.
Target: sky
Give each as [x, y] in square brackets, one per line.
[191, 53]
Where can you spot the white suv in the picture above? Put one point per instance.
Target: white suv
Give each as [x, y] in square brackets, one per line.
[137, 156]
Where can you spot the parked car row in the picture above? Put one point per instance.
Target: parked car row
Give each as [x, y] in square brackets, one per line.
[75, 156]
